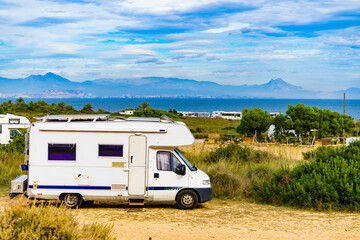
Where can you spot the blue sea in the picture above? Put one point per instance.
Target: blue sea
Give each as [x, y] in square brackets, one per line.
[208, 105]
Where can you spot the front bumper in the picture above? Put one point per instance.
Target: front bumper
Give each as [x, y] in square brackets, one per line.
[205, 194]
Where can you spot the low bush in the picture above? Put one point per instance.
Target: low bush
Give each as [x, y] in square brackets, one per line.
[11, 158]
[330, 180]
[236, 153]
[10, 166]
[234, 170]
[22, 220]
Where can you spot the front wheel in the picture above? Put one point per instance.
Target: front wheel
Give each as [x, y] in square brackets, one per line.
[187, 199]
[72, 200]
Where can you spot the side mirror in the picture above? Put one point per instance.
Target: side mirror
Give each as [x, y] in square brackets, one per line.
[181, 170]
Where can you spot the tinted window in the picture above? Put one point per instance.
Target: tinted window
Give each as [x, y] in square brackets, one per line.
[110, 150]
[62, 152]
[0, 128]
[13, 133]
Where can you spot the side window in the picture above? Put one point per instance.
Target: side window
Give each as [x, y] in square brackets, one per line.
[13, 133]
[65, 152]
[0, 128]
[110, 150]
[166, 161]
[175, 162]
[14, 121]
[163, 161]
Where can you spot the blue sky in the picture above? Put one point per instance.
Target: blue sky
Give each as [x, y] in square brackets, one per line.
[313, 44]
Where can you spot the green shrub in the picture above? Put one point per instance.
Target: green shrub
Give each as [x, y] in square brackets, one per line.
[22, 220]
[16, 145]
[234, 170]
[236, 153]
[330, 180]
[10, 166]
[152, 112]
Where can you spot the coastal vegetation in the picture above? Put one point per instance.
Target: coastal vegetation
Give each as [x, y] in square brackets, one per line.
[330, 179]
[235, 169]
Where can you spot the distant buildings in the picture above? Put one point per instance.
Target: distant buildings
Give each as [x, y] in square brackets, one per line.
[196, 114]
[127, 112]
[221, 114]
[227, 115]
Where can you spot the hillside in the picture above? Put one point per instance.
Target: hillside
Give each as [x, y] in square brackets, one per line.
[51, 85]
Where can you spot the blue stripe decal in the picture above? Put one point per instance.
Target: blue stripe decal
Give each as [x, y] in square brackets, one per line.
[99, 187]
[71, 187]
[164, 188]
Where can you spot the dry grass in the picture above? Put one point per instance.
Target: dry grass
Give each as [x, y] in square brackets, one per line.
[22, 219]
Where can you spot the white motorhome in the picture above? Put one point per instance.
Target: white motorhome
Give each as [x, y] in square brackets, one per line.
[85, 158]
[9, 125]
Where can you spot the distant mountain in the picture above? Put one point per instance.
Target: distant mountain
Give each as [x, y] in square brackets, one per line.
[51, 85]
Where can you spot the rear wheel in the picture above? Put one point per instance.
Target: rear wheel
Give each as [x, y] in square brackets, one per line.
[72, 200]
[187, 199]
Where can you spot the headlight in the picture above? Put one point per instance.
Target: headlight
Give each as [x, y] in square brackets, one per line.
[206, 182]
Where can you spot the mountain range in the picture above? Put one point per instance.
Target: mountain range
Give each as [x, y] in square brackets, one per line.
[51, 85]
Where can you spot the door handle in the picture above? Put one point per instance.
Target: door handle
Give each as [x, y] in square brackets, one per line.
[131, 159]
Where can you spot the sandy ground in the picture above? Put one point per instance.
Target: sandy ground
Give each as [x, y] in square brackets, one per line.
[219, 219]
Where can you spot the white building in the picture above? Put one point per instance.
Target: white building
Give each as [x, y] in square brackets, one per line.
[9, 125]
[227, 115]
[196, 114]
[127, 112]
[274, 114]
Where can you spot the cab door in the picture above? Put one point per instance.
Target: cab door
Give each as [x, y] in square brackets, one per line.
[170, 175]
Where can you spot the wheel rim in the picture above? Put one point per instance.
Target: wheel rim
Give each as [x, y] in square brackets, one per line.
[187, 200]
[71, 200]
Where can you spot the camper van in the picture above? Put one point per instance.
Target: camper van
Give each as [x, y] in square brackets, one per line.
[83, 158]
[9, 125]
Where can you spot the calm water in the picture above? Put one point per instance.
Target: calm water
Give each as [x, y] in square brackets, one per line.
[208, 105]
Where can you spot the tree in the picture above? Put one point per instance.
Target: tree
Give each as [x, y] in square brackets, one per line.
[144, 105]
[87, 108]
[62, 105]
[20, 100]
[254, 121]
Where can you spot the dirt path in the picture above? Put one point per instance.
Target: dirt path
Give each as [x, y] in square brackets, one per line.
[219, 220]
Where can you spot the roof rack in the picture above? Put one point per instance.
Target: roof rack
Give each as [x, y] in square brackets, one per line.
[69, 118]
[143, 119]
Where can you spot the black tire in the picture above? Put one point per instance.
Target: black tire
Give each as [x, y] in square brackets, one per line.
[187, 199]
[72, 200]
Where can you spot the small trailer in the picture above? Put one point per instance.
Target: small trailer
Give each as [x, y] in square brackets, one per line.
[80, 158]
[9, 125]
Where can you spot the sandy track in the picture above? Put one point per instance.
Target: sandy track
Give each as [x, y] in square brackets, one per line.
[219, 220]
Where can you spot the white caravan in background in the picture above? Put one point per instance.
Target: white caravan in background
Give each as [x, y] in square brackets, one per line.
[9, 125]
[88, 157]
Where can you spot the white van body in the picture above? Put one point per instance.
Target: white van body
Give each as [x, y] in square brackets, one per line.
[9, 124]
[140, 170]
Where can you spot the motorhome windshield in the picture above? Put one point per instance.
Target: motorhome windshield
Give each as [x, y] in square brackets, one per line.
[191, 167]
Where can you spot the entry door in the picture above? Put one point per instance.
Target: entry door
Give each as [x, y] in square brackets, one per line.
[137, 165]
